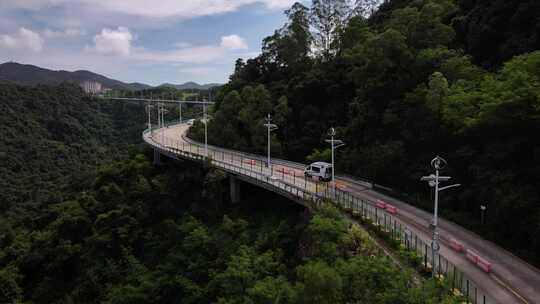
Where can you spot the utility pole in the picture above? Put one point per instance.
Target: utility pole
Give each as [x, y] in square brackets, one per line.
[438, 163]
[482, 210]
[335, 143]
[161, 118]
[180, 111]
[149, 110]
[205, 118]
[159, 115]
[271, 127]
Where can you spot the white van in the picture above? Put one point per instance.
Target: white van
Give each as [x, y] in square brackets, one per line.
[320, 170]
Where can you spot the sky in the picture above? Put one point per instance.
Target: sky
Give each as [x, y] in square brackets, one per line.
[146, 41]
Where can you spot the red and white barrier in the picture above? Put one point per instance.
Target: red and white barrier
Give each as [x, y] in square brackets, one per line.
[250, 161]
[391, 209]
[456, 245]
[472, 256]
[483, 264]
[298, 173]
[380, 204]
[341, 186]
[283, 171]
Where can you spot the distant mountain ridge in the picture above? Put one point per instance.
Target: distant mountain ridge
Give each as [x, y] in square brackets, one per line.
[191, 86]
[30, 75]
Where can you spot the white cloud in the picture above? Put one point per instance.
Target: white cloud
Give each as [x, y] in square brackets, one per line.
[198, 71]
[182, 45]
[197, 55]
[158, 9]
[70, 32]
[113, 42]
[233, 42]
[278, 4]
[24, 39]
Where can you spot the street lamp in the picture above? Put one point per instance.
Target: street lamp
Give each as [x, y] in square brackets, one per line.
[271, 127]
[438, 163]
[180, 111]
[149, 110]
[206, 117]
[161, 116]
[335, 143]
[482, 209]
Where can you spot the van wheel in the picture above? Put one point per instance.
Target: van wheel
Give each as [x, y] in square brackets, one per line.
[320, 178]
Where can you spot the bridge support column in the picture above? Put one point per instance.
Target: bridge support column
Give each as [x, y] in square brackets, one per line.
[235, 189]
[157, 158]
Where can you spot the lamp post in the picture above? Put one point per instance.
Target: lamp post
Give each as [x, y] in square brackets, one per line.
[438, 163]
[206, 117]
[482, 210]
[149, 110]
[159, 114]
[180, 111]
[162, 118]
[334, 143]
[271, 127]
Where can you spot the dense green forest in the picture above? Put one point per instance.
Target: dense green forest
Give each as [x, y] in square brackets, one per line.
[55, 138]
[460, 79]
[146, 234]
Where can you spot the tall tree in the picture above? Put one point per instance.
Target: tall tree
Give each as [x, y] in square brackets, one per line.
[328, 17]
[289, 47]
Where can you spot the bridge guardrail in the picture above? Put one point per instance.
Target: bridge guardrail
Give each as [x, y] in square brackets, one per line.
[298, 187]
[278, 161]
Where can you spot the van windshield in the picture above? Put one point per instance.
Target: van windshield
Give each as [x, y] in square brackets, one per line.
[315, 169]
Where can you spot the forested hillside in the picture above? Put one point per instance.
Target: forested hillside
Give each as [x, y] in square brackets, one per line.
[55, 138]
[413, 81]
[146, 234]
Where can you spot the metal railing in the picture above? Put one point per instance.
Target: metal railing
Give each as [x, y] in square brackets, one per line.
[313, 192]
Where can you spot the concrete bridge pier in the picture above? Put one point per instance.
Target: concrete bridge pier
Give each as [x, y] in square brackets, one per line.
[235, 189]
[157, 158]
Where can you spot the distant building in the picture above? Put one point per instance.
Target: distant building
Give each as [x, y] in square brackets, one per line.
[92, 87]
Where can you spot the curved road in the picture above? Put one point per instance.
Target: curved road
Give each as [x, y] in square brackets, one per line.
[511, 281]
